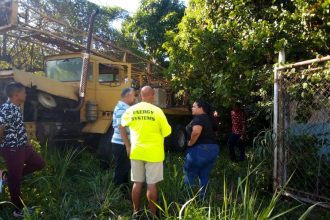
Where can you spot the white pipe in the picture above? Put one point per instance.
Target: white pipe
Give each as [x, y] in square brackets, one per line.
[281, 60]
[275, 117]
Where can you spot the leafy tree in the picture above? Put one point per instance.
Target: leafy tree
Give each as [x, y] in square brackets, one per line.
[225, 50]
[150, 23]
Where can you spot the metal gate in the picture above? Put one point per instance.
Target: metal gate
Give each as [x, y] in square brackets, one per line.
[302, 129]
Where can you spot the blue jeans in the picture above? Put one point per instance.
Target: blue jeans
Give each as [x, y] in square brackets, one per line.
[199, 162]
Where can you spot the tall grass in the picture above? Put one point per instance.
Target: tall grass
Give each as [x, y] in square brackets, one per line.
[72, 186]
[242, 203]
[263, 150]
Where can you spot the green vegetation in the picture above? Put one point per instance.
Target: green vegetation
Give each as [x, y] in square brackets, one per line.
[150, 23]
[228, 48]
[73, 186]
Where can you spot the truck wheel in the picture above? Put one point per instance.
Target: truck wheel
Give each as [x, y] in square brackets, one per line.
[104, 152]
[178, 138]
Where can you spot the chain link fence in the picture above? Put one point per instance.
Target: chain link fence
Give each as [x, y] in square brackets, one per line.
[302, 130]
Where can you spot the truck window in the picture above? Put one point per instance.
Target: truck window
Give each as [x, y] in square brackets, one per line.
[67, 70]
[108, 73]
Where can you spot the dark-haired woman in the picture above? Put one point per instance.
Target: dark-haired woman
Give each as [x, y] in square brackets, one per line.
[202, 149]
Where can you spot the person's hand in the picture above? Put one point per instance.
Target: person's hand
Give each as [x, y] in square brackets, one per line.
[128, 150]
[2, 131]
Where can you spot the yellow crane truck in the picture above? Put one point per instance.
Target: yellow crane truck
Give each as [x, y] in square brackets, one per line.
[72, 99]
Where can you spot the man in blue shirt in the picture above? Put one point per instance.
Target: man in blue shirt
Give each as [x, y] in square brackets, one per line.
[19, 155]
[120, 153]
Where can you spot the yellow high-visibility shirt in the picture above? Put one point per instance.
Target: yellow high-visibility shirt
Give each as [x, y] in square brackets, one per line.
[148, 128]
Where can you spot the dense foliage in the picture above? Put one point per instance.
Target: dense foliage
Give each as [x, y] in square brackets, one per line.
[150, 23]
[228, 48]
[225, 50]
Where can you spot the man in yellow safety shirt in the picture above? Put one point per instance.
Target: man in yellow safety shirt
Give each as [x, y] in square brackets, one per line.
[148, 128]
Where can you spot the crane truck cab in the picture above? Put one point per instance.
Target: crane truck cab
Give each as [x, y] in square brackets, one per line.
[52, 96]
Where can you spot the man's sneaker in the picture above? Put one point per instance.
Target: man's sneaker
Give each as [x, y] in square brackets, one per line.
[20, 213]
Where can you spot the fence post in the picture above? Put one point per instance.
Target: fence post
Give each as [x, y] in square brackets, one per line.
[280, 125]
[277, 180]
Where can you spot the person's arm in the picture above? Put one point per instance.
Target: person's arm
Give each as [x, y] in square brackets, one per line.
[196, 132]
[165, 128]
[2, 124]
[124, 136]
[125, 121]
[2, 131]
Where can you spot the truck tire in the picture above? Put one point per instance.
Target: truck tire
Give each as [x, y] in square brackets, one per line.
[178, 139]
[104, 152]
